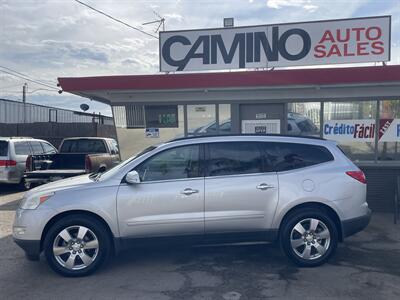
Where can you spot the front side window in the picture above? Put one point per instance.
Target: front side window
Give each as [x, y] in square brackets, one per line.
[289, 156]
[177, 163]
[22, 148]
[232, 158]
[113, 146]
[36, 147]
[48, 149]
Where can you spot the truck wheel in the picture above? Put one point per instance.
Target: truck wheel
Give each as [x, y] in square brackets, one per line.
[77, 245]
[308, 237]
[24, 185]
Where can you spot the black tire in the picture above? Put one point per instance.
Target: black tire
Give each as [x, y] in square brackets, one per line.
[301, 215]
[25, 186]
[95, 226]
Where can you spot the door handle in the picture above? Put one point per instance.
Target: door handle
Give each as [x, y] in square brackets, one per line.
[189, 191]
[264, 186]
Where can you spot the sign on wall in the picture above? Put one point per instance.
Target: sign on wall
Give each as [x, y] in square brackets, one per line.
[362, 130]
[152, 132]
[282, 45]
[261, 126]
[389, 130]
[161, 116]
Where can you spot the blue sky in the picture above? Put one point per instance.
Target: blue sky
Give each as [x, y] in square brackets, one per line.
[49, 39]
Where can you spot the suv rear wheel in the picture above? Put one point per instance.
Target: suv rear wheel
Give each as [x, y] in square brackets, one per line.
[77, 245]
[309, 237]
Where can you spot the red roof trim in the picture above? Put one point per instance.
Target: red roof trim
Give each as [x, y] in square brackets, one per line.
[234, 79]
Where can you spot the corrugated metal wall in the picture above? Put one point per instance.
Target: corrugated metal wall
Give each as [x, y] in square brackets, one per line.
[381, 182]
[13, 112]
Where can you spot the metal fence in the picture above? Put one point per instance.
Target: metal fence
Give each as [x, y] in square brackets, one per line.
[13, 112]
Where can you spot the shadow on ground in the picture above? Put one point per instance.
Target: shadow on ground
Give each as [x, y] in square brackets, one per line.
[366, 266]
[6, 189]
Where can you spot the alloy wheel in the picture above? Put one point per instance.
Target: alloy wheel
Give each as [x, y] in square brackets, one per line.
[310, 239]
[75, 247]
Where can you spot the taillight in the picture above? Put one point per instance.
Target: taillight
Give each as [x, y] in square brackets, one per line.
[88, 164]
[28, 163]
[357, 175]
[7, 163]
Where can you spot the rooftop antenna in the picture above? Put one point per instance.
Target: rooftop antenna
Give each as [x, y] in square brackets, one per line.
[160, 21]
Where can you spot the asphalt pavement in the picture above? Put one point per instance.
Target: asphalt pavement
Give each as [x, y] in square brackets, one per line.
[366, 266]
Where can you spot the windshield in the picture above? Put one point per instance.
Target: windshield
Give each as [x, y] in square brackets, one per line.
[114, 170]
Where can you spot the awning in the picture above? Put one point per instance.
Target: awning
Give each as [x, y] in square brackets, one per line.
[105, 88]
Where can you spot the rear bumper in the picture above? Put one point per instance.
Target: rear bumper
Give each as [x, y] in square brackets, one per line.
[31, 248]
[352, 226]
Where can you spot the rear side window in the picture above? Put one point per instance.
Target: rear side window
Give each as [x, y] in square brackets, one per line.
[3, 148]
[232, 158]
[36, 147]
[83, 146]
[22, 148]
[289, 156]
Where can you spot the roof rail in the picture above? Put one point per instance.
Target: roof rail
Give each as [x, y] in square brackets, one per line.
[247, 134]
[20, 137]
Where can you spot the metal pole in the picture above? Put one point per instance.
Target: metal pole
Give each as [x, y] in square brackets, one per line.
[24, 88]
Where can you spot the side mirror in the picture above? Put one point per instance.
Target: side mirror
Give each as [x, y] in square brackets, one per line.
[132, 177]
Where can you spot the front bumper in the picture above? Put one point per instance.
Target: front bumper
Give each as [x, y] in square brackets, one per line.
[354, 225]
[31, 248]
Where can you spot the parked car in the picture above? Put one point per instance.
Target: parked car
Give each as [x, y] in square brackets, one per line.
[76, 156]
[303, 192]
[298, 124]
[13, 154]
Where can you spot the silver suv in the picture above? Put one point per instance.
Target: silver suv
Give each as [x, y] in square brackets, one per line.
[303, 192]
[13, 154]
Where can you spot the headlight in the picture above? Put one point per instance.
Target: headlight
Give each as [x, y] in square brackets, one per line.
[33, 201]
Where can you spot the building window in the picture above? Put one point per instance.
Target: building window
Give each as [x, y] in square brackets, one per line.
[201, 119]
[352, 125]
[224, 118]
[132, 134]
[389, 130]
[304, 118]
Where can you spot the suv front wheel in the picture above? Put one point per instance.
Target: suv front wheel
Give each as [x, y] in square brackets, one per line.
[77, 245]
[309, 237]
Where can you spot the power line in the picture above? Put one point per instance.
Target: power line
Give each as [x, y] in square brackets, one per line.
[9, 69]
[27, 76]
[112, 18]
[31, 80]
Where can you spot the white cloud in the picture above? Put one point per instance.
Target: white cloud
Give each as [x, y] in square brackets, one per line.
[306, 4]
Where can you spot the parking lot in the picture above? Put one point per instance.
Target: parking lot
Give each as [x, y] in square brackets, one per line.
[366, 266]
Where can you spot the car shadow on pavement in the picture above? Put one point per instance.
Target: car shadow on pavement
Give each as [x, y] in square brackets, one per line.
[6, 189]
[10, 206]
[365, 266]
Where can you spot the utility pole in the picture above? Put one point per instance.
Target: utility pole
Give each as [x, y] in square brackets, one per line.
[24, 88]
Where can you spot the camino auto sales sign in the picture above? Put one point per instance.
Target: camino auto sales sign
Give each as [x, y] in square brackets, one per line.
[363, 130]
[283, 45]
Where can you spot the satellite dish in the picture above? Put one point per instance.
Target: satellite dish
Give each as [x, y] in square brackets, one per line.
[84, 107]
